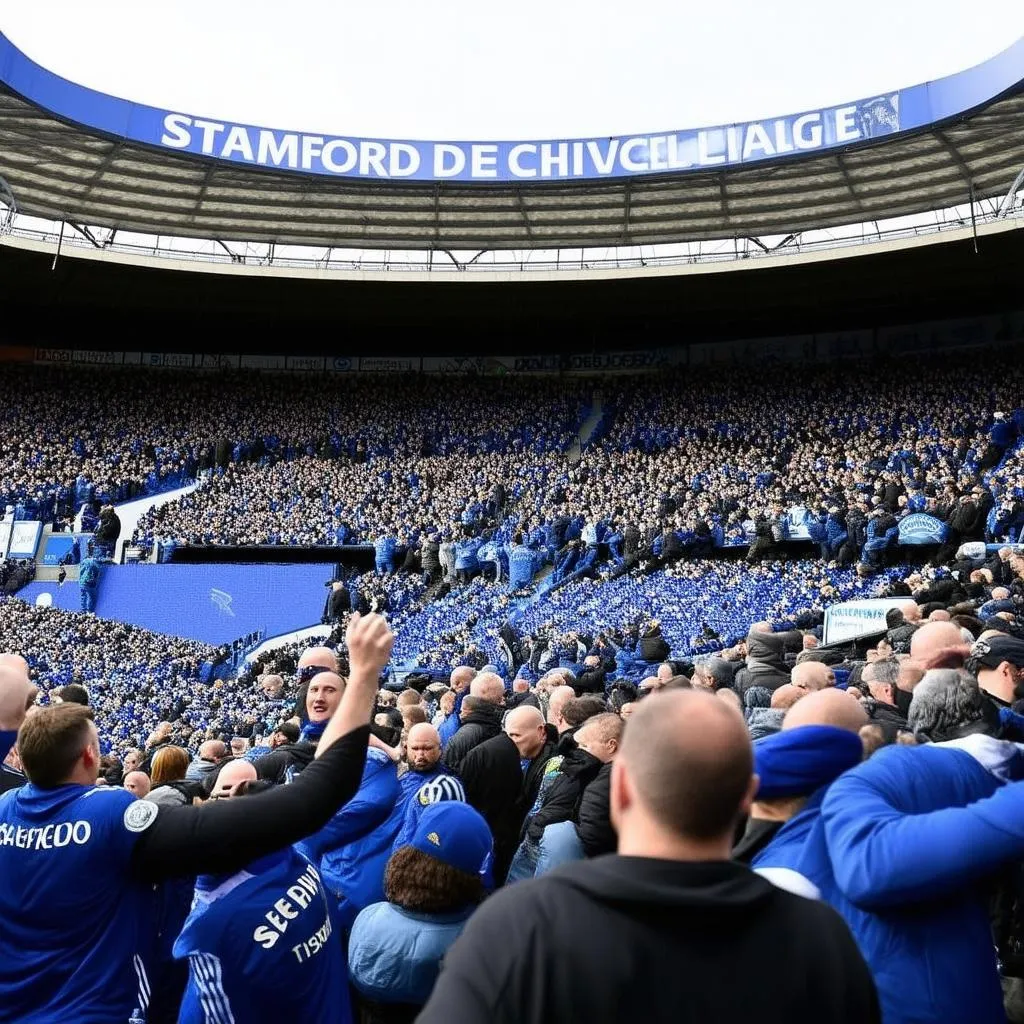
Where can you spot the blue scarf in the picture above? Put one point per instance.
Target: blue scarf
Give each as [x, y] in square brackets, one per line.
[312, 731]
[796, 762]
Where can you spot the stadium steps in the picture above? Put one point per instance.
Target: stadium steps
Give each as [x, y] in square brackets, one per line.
[587, 428]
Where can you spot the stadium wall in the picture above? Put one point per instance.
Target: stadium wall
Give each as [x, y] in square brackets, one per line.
[214, 604]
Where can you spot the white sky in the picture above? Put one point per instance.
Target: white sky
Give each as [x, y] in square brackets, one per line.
[531, 69]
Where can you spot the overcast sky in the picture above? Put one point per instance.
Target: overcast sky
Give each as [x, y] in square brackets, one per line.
[532, 69]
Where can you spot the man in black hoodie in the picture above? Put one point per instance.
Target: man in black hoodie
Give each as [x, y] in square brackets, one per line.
[668, 928]
[766, 661]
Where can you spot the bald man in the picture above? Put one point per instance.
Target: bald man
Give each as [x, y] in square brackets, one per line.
[137, 783]
[812, 676]
[936, 642]
[680, 782]
[423, 758]
[231, 775]
[502, 777]
[480, 719]
[557, 725]
[827, 707]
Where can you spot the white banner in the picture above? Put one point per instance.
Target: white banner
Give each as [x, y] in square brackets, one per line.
[383, 364]
[54, 355]
[305, 363]
[5, 537]
[97, 358]
[854, 619]
[263, 362]
[24, 539]
[174, 360]
[210, 361]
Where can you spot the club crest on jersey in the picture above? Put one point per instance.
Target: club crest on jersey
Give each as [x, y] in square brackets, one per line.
[139, 815]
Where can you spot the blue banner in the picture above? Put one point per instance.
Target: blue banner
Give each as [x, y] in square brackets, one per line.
[921, 529]
[670, 152]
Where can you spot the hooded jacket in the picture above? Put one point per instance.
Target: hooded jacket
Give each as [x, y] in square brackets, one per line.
[560, 791]
[766, 664]
[287, 760]
[479, 725]
[897, 845]
[638, 939]
[593, 816]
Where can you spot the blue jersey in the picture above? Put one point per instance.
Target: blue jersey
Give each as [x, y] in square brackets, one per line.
[263, 944]
[75, 923]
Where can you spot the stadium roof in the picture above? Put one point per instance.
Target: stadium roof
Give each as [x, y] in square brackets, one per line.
[72, 154]
[59, 171]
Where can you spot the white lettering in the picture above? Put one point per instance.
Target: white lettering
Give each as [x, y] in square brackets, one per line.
[549, 161]
[514, 155]
[626, 158]
[757, 138]
[605, 162]
[312, 147]
[237, 141]
[732, 144]
[705, 157]
[395, 166]
[846, 124]
[286, 910]
[484, 160]
[327, 156]
[271, 151]
[657, 153]
[82, 832]
[807, 139]
[782, 144]
[265, 937]
[449, 160]
[62, 838]
[577, 159]
[176, 131]
[371, 157]
[299, 895]
[209, 130]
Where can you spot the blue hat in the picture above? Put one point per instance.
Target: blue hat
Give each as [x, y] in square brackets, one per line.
[796, 762]
[455, 834]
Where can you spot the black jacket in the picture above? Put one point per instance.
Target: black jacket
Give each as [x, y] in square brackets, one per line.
[636, 939]
[887, 716]
[274, 766]
[592, 680]
[495, 785]
[593, 815]
[653, 646]
[766, 664]
[756, 836]
[564, 792]
[479, 725]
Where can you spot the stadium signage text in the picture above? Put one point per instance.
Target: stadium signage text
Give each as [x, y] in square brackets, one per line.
[534, 161]
[698, 148]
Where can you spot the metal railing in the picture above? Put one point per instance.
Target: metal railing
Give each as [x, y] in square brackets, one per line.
[446, 263]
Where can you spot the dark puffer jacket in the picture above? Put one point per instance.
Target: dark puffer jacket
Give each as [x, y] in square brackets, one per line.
[481, 724]
[766, 665]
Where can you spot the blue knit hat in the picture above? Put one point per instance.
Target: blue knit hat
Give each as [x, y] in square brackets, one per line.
[796, 762]
[455, 834]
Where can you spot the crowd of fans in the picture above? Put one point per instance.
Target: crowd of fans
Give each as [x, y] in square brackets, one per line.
[828, 771]
[650, 738]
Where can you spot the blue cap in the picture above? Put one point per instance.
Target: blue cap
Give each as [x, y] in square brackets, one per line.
[455, 834]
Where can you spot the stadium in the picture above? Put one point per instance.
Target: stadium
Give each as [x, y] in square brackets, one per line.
[413, 491]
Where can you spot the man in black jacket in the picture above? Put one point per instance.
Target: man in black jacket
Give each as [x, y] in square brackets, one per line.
[480, 719]
[502, 777]
[668, 928]
[882, 680]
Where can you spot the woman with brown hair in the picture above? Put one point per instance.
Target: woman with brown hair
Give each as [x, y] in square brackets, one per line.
[432, 886]
[168, 777]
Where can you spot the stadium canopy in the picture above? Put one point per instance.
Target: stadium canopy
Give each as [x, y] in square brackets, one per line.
[69, 154]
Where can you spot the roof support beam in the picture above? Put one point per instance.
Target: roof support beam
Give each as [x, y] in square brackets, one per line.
[848, 181]
[954, 153]
[522, 210]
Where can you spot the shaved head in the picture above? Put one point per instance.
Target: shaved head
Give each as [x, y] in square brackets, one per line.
[15, 662]
[932, 639]
[911, 611]
[812, 676]
[787, 695]
[560, 696]
[232, 774]
[488, 686]
[422, 747]
[319, 657]
[525, 727]
[213, 750]
[461, 678]
[684, 773]
[137, 783]
[827, 707]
